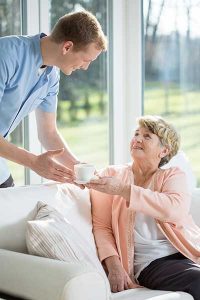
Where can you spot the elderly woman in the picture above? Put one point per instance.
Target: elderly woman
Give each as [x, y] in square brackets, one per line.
[144, 233]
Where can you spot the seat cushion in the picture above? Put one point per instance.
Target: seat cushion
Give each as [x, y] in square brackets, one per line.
[146, 294]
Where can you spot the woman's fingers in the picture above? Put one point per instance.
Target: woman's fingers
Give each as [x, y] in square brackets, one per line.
[126, 285]
[81, 186]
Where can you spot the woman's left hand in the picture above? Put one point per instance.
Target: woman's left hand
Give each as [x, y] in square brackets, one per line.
[108, 185]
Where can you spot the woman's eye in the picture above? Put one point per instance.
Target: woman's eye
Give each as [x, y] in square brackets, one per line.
[147, 137]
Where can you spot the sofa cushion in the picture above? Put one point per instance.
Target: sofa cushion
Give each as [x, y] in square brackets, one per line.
[18, 206]
[53, 236]
[147, 294]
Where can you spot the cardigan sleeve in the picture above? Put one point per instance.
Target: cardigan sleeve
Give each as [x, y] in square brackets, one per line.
[102, 223]
[170, 204]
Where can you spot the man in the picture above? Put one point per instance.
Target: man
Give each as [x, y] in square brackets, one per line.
[29, 80]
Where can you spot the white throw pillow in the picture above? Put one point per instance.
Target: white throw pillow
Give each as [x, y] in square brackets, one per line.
[74, 204]
[18, 203]
[51, 235]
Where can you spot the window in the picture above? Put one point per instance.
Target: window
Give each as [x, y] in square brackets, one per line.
[82, 113]
[10, 23]
[172, 68]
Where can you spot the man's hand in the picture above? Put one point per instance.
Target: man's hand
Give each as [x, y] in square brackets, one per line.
[46, 166]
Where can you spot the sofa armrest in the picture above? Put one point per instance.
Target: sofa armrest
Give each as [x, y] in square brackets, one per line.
[38, 278]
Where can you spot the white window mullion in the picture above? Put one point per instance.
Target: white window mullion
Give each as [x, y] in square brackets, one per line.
[127, 74]
[44, 9]
[118, 72]
[37, 20]
[134, 66]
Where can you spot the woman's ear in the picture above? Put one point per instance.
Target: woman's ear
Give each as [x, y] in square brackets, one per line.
[67, 46]
[164, 152]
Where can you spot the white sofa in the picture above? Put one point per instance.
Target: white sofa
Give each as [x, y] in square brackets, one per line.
[37, 278]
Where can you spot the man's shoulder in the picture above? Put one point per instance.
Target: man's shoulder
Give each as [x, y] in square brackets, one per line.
[10, 47]
[10, 41]
[16, 43]
[18, 52]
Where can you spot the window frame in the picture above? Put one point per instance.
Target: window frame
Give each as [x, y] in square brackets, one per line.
[125, 83]
[35, 19]
[126, 74]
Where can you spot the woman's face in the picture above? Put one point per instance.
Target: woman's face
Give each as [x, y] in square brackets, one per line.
[146, 145]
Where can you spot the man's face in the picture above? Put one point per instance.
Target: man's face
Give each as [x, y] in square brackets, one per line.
[71, 60]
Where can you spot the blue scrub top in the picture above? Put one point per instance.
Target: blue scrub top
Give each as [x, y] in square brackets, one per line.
[22, 87]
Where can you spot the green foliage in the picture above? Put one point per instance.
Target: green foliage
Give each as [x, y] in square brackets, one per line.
[91, 104]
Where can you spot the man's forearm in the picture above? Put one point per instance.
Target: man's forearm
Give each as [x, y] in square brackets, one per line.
[43, 164]
[55, 141]
[16, 154]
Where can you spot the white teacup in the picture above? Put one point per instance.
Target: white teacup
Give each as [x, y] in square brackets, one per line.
[84, 172]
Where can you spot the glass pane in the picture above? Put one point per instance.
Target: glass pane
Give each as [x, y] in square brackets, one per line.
[172, 69]
[10, 25]
[83, 100]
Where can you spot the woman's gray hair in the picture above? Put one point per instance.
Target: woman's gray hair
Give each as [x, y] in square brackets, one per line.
[166, 133]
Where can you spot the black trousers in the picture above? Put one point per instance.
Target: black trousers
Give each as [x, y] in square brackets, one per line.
[172, 273]
[8, 183]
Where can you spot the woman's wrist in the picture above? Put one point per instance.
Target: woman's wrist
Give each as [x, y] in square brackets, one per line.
[112, 261]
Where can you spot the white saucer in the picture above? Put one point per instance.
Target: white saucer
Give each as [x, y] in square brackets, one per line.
[85, 181]
[81, 181]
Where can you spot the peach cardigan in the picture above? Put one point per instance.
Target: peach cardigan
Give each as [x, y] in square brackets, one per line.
[166, 200]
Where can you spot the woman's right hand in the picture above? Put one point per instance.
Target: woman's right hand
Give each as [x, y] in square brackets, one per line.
[118, 279]
[117, 276]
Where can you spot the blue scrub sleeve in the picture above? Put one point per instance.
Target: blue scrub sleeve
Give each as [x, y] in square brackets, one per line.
[49, 103]
[3, 75]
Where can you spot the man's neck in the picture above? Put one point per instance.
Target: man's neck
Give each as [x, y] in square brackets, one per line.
[49, 51]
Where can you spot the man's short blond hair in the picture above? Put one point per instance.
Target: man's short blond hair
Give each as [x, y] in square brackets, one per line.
[82, 28]
[166, 133]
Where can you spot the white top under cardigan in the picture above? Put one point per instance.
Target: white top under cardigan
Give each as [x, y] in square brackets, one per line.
[149, 243]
